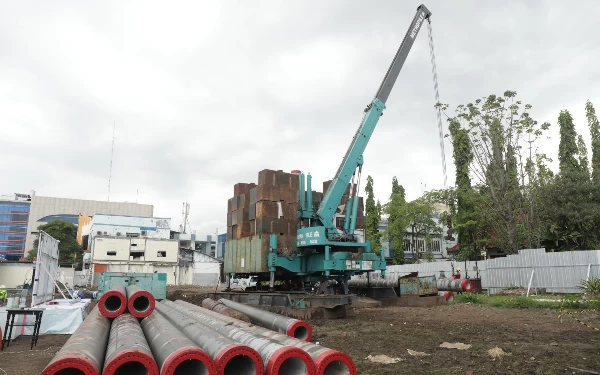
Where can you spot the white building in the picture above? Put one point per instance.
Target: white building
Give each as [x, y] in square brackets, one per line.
[125, 226]
[120, 243]
[46, 209]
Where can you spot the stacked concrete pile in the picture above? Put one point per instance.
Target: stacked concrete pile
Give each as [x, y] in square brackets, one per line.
[119, 300]
[181, 338]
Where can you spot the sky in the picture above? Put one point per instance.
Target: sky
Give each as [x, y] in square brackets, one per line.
[205, 94]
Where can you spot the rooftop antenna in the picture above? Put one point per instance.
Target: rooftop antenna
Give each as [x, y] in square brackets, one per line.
[112, 150]
[186, 212]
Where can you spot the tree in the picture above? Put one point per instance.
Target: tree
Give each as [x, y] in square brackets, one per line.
[396, 228]
[461, 206]
[373, 212]
[65, 232]
[571, 209]
[419, 216]
[583, 158]
[497, 128]
[594, 126]
[567, 147]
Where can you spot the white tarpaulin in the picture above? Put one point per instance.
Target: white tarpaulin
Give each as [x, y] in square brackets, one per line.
[46, 266]
[61, 319]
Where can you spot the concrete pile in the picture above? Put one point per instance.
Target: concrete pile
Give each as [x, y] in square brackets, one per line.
[181, 338]
[119, 300]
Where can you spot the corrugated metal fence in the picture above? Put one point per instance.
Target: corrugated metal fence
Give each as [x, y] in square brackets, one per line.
[556, 272]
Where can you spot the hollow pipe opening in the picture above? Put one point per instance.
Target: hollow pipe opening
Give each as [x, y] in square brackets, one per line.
[293, 366]
[301, 333]
[300, 330]
[70, 371]
[141, 303]
[131, 368]
[191, 367]
[112, 303]
[240, 364]
[336, 368]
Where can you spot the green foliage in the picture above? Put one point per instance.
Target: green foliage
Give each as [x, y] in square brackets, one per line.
[373, 213]
[591, 287]
[419, 217]
[522, 302]
[594, 126]
[65, 232]
[571, 213]
[583, 158]
[567, 148]
[506, 196]
[493, 139]
[396, 229]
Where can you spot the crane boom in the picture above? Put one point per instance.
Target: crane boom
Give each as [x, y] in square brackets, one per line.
[354, 155]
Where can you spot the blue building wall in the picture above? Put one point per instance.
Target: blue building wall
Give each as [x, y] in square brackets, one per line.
[221, 245]
[13, 229]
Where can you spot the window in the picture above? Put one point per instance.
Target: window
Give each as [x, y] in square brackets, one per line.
[111, 253]
[161, 254]
[137, 255]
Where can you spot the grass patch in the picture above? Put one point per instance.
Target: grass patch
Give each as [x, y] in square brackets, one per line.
[572, 302]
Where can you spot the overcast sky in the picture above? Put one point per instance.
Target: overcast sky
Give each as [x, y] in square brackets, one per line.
[207, 93]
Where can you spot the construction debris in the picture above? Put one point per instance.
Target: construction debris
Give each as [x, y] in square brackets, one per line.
[456, 345]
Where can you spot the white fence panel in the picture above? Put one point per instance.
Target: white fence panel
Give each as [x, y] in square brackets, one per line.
[556, 272]
[46, 266]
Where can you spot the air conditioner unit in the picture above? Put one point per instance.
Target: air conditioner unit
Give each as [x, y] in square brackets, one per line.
[118, 234]
[144, 233]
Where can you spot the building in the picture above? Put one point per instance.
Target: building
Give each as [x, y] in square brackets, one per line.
[14, 216]
[205, 244]
[221, 238]
[123, 243]
[46, 209]
[122, 226]
[439, 245]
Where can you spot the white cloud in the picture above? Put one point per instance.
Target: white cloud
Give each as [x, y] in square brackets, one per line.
[206, 94]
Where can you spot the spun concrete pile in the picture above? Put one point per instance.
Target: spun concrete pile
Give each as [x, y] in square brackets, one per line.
[177, 338]
[140, 302]
[128, 351]
[278, 358]
[114, 302]
[279, 323]
[454, 285]
[120, 300]
[230, 356]
[327, 361]
[84, 351]
[173, 351]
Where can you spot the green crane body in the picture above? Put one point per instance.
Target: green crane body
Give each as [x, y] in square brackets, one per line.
[326, 252]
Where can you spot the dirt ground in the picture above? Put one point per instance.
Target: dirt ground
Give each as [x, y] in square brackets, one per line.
[535, 340]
